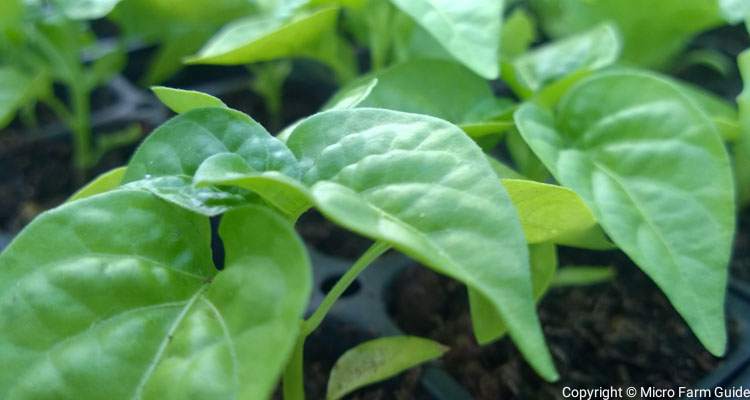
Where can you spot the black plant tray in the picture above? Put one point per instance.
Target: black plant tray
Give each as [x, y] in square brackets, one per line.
[365, 307]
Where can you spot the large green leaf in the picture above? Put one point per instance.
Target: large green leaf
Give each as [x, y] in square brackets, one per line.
[469, 30]
[741, 150]
[420, 184]
[264, 38]
[180, 145]
[181, 100]
[653, 31]
[377, 360]
[653, 169]
[14, 88]
[589, 50]
[116, 296]
[554, 214]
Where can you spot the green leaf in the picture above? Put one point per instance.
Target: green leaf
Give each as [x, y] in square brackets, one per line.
[735, 11]
[102, 183]
[449, 91]
[741, 149]
[653, 32]
[180, 145]
[420, 184]
[352, 95]
[285, 193]
[14, 90]
[555, 214]
[723, 114]
[179, 190]
[469, 30]
[377, 360]
[97, 312]
[86, 9]
[579, 275]
[518, 33]
[589, 50]
[181, 100]
[265, 38]
[487, 326]
[653, 169]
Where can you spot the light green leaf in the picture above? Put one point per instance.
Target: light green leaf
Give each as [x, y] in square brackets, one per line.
[654, 171]
[450, 92]
[487, 326]
[420, 184]
[96, 312]
[352, 95]
[377, 360]
[179, 190]
[589, 50]
[469, 30]
[518, 33]
[735, 11]
[179, 146]
[14, 90]
[723, 114]
[265, 38]
[181, 100]
[551, 213]
[653, 31]
[86, 9]
[285, 193]
[102, 183]
[741, 149]
[579, 275]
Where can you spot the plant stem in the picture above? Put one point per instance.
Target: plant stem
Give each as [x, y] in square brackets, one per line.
[82, 145]
[343, 283]
[293, 379]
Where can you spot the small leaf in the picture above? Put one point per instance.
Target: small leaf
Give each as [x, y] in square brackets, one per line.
[735, 11]
[265, 38]
[519, 32]
[102, 183]
[556, 214]
[181, 100]
[180, 145]
[653, 169]
[379, 359]
[469, 30]
[589, 50]
[578, 275]
[351, 96]
[121, 300]
[14, 90]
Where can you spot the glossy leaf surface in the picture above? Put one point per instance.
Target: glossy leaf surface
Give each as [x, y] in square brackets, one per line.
[377, 360]
[181, 144]
[181, 100]
[97, 312]
[468, 30]
[265, 38]
[655, 173]
[420, 184]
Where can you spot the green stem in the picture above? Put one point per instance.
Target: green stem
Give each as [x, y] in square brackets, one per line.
[343, 283]
[293, 379]
[82, 141]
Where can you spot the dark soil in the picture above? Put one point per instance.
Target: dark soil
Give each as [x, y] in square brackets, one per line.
[327, 344]
[620, 333]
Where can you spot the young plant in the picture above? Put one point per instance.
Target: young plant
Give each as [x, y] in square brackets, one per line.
[44, 44]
